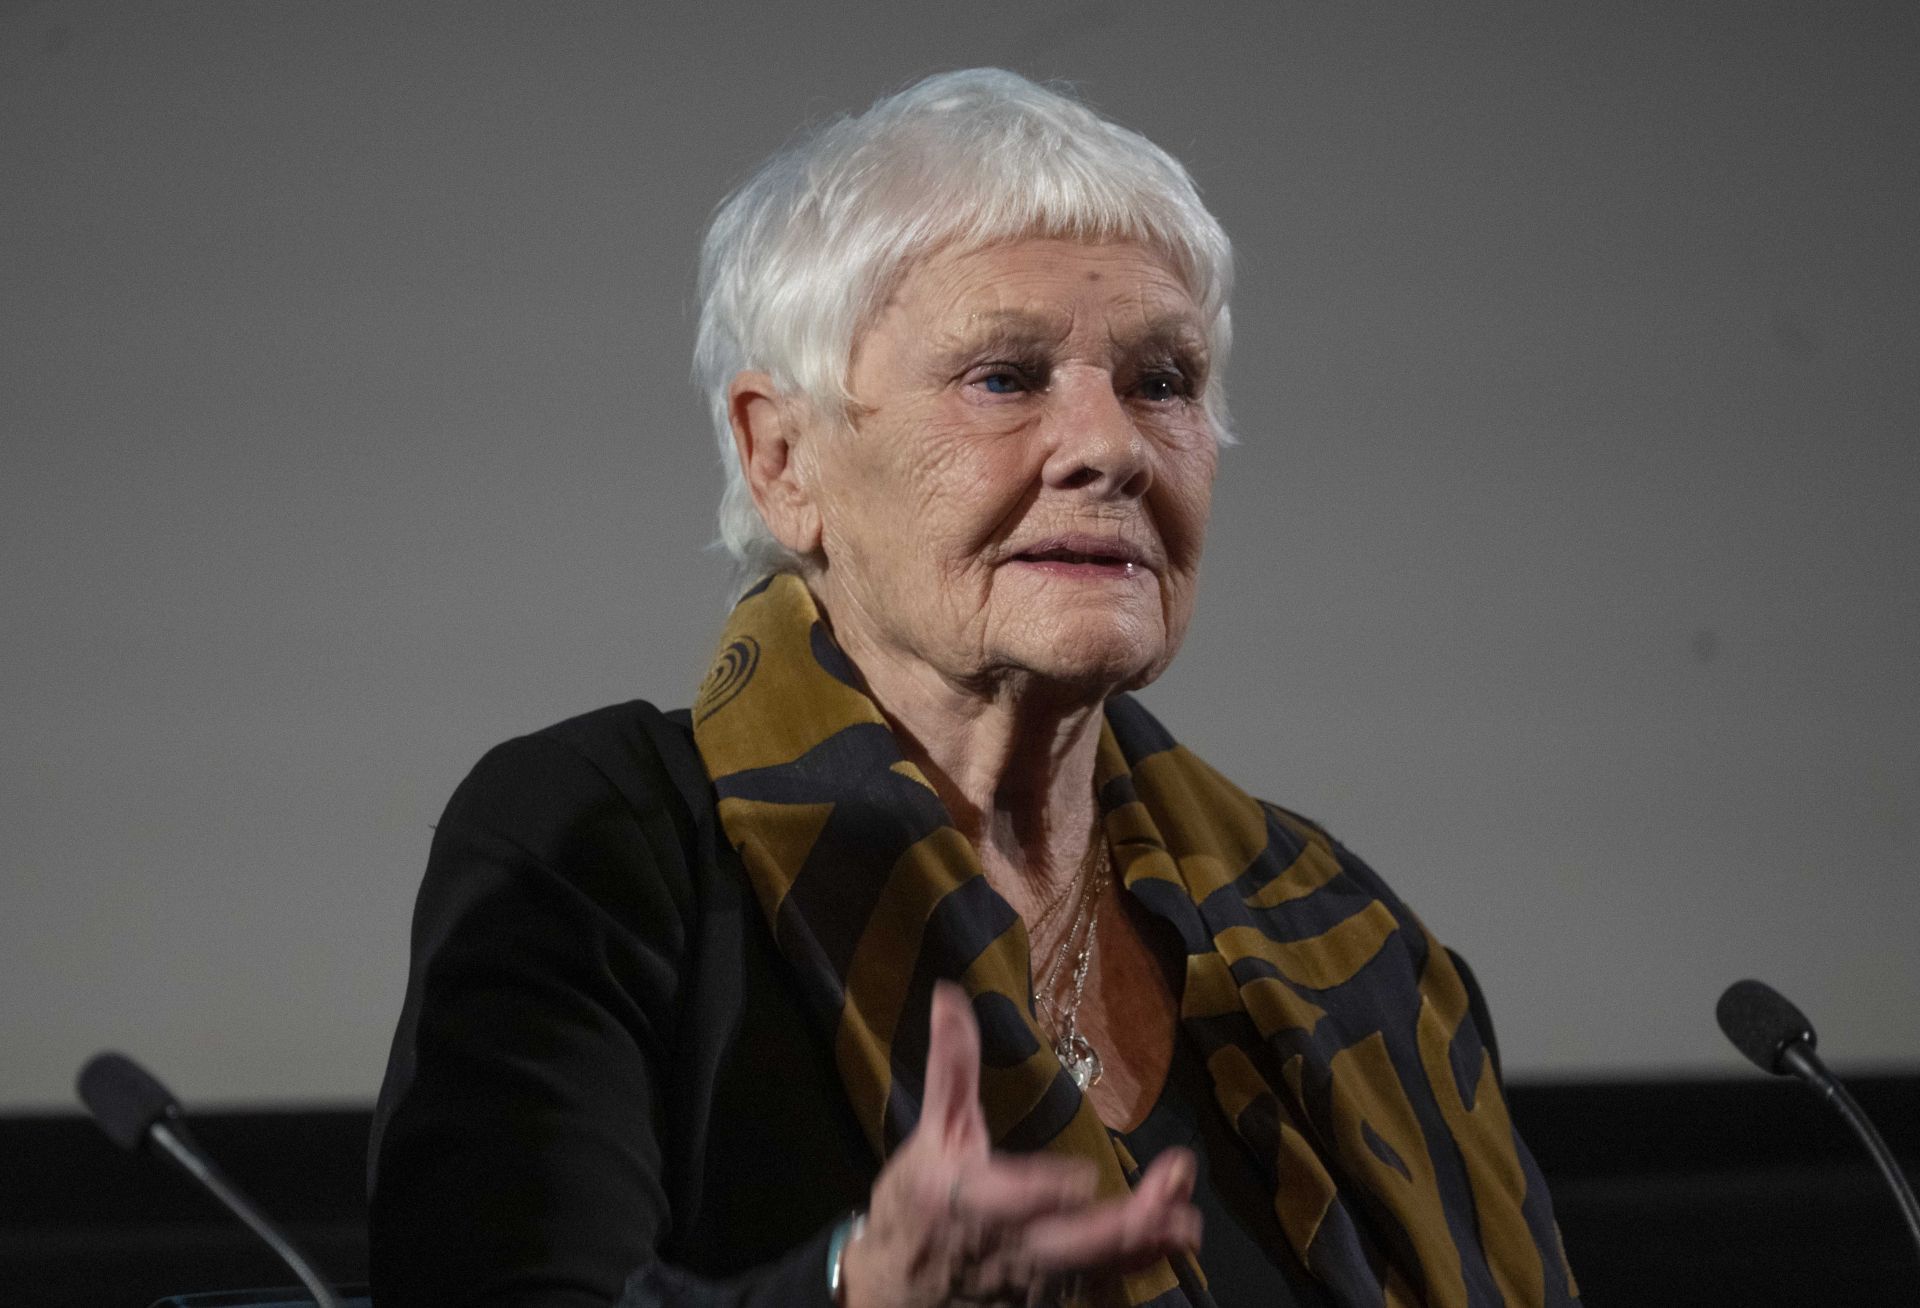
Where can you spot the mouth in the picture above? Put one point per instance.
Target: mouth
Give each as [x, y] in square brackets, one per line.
[1085, 557]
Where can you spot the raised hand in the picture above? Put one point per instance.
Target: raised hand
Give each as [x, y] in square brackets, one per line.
[951, 1222]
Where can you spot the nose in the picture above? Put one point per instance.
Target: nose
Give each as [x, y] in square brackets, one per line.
[1094, 444]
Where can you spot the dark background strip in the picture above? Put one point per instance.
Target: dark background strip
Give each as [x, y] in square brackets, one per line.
[1700, 1193]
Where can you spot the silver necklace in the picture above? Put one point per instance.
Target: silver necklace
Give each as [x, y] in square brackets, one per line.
[1075, 1052]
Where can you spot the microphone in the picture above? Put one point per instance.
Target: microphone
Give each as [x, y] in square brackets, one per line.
[136, 1111]
[1765, 1026]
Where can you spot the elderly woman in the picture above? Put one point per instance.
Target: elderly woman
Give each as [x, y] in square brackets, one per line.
[917, 964]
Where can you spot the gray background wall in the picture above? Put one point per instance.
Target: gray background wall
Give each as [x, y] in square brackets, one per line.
[1567, 568]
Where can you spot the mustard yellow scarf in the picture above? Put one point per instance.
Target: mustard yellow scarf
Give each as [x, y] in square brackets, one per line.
[1334, 1028]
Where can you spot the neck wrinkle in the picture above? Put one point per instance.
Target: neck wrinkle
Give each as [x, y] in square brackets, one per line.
[1014, 771]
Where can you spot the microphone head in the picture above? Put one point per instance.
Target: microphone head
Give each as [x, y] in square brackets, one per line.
[124, 1098]
[1761, 1022]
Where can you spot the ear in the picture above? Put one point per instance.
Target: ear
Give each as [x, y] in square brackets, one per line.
[769, 430]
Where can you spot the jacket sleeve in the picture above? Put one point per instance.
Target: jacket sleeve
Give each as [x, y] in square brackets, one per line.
[516, 1157]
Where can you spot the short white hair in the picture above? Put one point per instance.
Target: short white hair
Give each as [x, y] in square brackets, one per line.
[800, 258]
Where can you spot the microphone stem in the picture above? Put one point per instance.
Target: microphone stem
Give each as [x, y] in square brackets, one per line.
[1862, 1127]
[1806, 1065]
[210, 1176]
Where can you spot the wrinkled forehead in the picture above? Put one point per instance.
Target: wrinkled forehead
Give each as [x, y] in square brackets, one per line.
[1044, 292]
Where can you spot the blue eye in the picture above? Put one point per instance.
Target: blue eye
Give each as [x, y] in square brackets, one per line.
[1002, 383]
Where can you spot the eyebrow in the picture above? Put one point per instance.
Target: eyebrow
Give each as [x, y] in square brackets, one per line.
[1170, 333]
[997, 329]
[1018, 331]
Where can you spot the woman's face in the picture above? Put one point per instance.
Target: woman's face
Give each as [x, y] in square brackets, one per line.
[1023, 489]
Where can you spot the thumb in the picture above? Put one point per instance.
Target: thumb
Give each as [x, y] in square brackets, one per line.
[951, 1107]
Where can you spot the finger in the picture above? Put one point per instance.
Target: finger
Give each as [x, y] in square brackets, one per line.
[1172, 1175]
[951, 1105]
[1117, 1236]
[1012, 1188]
[1000, 1277]
[1156, 1220]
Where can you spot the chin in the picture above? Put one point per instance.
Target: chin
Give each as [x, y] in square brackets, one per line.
[1088, 670]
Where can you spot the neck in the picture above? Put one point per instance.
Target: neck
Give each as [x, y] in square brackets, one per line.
[1012, 762]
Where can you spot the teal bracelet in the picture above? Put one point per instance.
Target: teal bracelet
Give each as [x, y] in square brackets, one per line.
[843, 1235]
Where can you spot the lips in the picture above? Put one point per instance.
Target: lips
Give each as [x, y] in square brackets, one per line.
[1070, 556]
[1083, 551]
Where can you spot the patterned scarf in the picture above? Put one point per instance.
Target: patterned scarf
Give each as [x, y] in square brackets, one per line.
[1334, 1029]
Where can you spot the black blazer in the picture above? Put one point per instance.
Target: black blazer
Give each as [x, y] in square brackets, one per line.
[603, 1087]
[603, 1083]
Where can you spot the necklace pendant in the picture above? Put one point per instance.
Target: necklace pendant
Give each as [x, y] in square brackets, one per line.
[1082, 1061]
